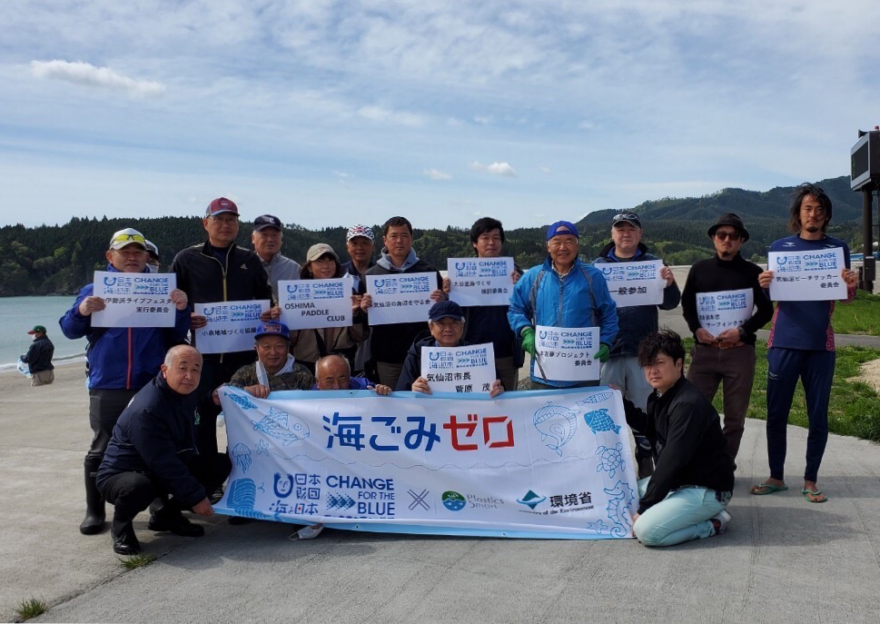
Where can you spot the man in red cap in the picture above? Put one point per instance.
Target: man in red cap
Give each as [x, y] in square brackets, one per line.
[220, 270]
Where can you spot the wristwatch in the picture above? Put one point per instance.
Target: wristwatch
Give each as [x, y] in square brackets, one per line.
[742, 333]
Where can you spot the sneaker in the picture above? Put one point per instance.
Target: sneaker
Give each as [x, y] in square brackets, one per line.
[176, 524]
[310, 532]
[720, 521]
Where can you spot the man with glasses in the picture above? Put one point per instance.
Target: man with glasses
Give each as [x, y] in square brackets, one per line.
[729, 356]
[801, 345]
[562, 292]
[220, 270]
[120, 360]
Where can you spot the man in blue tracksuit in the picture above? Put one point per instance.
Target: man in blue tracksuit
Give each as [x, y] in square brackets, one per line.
[634, 323]
[121, 360]
[801, 345]
[562, 292]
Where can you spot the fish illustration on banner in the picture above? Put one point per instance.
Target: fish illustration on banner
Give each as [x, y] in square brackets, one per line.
[557, 425]
[277, 424]
[599, 420]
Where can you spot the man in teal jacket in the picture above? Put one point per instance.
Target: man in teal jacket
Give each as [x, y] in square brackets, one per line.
[562, 292]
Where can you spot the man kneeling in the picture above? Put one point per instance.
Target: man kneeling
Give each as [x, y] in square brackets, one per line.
[153, 453]
[686, 497]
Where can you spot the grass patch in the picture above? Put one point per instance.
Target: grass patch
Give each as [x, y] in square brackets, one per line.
[860, 316]
[30, 608]
[854, 409]
[136, 561]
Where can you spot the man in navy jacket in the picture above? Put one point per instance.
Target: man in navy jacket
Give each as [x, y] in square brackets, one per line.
[153, 453]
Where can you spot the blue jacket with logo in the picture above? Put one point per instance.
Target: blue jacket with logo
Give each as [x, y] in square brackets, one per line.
[580, 299]
[123, 357]
[636, 322]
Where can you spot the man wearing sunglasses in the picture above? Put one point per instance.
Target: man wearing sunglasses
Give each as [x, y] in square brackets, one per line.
[726, 356]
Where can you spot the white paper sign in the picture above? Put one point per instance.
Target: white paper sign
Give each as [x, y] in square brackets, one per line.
[315, 304]
[135, 299]
[807, 275]
[231, 325]
[725, 309]
[480, 281]
[634, 283]
[566, 354]
[459, 369]
[400, 298]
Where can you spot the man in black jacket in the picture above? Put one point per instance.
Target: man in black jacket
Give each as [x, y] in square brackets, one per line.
[686, 497]
[152, 453]
[219, 270]
[725, 352]
[39, 357]
[389, 343]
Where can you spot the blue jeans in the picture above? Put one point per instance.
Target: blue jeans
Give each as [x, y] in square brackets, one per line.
[680, 517]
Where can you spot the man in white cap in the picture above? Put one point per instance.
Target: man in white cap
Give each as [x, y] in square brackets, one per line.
[121, 360]
[359, 242]
[153, 262]
[267, 238]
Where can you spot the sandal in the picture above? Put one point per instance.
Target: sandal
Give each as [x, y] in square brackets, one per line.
[809, 494]
[767, 488]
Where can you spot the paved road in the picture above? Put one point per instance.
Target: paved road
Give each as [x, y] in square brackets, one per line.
[784, 560]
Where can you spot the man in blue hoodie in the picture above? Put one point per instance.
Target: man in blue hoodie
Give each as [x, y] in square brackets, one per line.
[634, 322]
[121, 360]
[562, 292]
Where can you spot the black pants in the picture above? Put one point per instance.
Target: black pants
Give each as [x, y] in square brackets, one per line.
[105, 407]
[215, 373]
[132, 492]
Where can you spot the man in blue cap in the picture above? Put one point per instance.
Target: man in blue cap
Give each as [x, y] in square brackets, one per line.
[562, 292]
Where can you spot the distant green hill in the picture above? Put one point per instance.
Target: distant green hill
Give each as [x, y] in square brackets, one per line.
[61, 259]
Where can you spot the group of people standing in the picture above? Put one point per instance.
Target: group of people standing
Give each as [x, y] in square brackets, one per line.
[153, 402]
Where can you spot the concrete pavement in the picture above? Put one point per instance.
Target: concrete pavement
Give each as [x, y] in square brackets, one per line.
[783, 560]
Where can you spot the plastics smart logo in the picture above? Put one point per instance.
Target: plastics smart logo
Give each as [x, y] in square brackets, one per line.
[453, 501]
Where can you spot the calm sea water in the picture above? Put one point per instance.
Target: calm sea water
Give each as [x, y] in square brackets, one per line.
[20, 314]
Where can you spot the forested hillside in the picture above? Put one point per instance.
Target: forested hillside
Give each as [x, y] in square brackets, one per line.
[61, 259]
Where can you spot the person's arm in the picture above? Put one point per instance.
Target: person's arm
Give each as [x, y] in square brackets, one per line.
[409, 373]
[32, 355]
[635, 417]
[689, 303]
[74, 324]
[671, 295]
[763, 313]
[607, 309]
[683, 438]
[182, 318]
[520, 309]
[152, 439]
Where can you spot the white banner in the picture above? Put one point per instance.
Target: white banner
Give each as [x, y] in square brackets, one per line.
[807, 275]
[459, 369]
[551, 464]
[480, 281]
[566, 354]
[400, 297]
[134, 299]
[315, 304]
[725, 309]
[634, 283]
[231, 325]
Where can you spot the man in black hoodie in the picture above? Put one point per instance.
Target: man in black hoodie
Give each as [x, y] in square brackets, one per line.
[726, 354]
[389, 343]
[686, 497]
[152, 453]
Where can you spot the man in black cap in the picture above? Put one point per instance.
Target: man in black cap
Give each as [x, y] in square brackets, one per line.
[726, 354]
[634, 323]
[267, 238]
[39, 357]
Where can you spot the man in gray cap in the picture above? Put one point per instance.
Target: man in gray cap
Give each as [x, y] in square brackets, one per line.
[726, 356]
[359, 243]
[266, 238]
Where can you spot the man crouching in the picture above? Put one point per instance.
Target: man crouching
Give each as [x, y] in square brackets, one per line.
[687, 496]
[153, 453]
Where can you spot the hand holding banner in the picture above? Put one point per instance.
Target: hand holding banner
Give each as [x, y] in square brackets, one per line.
[480, 281]
[634, 283]
[567, 353]
[725, 309]
[315, 304]
[231, 325]
[459, 369]
[807, 275]
[400, 297]
[134, 299]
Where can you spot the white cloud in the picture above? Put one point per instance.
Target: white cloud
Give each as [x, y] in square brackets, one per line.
[496, 168]
[586, 125]
[544, 170]
[436, 174]
[483, 119]
[88, 75]
[385, 115]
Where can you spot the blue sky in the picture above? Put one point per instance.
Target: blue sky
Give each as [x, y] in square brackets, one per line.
[330, 113]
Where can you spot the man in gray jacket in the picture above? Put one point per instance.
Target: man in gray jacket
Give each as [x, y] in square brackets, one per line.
[635, 322]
